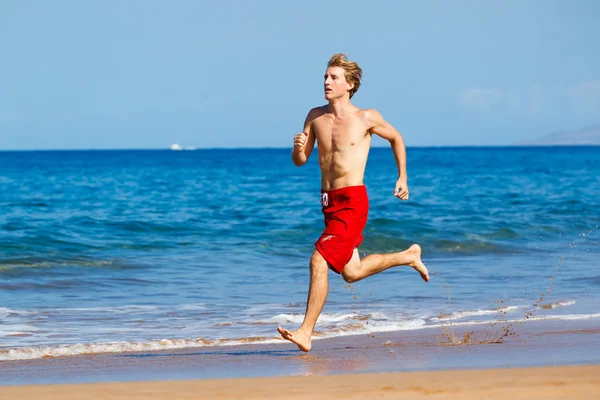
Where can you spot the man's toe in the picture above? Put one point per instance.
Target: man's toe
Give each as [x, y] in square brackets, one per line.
[284, 331]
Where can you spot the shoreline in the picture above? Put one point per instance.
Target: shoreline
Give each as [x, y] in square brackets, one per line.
[182, 344]
[536, 344]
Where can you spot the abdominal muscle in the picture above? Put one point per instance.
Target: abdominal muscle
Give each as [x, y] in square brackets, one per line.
[342, 168]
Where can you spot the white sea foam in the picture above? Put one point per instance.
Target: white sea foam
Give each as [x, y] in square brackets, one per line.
[121, 347]
[8, 329]
[565, 317]
[562, 303]
[509, 309]
[475, 313]
[5, 312]
[192, 307]
[298, 318]
[373, 327]
[569, 317]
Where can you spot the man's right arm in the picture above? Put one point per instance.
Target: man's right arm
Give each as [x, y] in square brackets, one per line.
[304, 142]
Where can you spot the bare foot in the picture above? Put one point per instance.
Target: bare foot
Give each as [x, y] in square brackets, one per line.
[417, 264]
[300, 338]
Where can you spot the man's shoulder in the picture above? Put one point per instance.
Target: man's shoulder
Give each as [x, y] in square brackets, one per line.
[369, 112]
[370, 115]
[317, 111]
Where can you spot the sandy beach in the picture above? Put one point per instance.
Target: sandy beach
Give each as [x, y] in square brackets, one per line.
[546, 360]
[575, 382]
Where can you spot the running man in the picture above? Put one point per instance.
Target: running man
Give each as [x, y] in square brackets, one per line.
[343, 132]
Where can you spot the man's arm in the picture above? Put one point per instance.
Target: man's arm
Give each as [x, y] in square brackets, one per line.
[304, 142]
[382, 128]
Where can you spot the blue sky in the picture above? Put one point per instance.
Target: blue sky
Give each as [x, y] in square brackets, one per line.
[145, 74]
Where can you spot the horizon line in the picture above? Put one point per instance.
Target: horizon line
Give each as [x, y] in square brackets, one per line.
[289, 148]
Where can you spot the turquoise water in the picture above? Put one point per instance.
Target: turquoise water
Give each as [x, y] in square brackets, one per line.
[125, 250]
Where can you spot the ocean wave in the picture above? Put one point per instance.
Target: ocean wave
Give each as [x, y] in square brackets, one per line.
[5, 312]
[17, 329]
[566, 317]
[298, 318]
[496, 311]
[28, 353]
[323, 318]
[474, 313]
[121, 347]
[557, 304]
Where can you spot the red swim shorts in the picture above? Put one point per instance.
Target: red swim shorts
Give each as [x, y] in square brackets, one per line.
[345, 211]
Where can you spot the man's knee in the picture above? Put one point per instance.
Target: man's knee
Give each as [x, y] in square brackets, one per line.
[351, 272]
[318, 265]
[350, 275]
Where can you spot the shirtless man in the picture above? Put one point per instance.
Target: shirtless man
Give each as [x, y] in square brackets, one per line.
[343, 132]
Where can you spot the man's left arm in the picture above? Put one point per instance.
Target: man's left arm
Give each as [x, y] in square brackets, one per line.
[382, 128]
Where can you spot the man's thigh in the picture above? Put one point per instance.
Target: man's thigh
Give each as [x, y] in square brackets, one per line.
[354, 262]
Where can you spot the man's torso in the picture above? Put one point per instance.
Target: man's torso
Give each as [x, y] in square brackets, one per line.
[343, 146]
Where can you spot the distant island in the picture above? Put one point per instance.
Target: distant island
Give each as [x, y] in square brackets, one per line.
[583, 137]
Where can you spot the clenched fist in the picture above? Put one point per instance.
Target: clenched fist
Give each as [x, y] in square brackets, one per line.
[300, 140]
[401, 190]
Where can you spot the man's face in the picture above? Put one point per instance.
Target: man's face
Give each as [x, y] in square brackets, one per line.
[336, 85]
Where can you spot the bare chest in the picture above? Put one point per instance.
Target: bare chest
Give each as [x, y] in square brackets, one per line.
[339, 133]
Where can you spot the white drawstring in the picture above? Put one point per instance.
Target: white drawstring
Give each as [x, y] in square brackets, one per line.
[324, 199]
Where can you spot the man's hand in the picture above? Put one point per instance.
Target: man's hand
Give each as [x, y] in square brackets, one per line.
[300, 141]
[401, 191]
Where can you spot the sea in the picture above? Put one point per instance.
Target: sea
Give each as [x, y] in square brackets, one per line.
[147, 250]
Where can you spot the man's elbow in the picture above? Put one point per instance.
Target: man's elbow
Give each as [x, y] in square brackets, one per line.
[396, 139]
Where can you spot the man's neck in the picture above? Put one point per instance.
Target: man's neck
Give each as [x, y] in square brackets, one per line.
[340, 107]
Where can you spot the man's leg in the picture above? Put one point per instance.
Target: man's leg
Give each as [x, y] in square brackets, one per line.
[317, 294]
[357, 269]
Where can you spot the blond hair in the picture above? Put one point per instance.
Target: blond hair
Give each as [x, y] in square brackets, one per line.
[352, 71]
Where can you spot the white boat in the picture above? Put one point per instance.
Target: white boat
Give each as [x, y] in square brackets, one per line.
[175, 146]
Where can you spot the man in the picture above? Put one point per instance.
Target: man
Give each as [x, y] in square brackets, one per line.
[343, 132]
